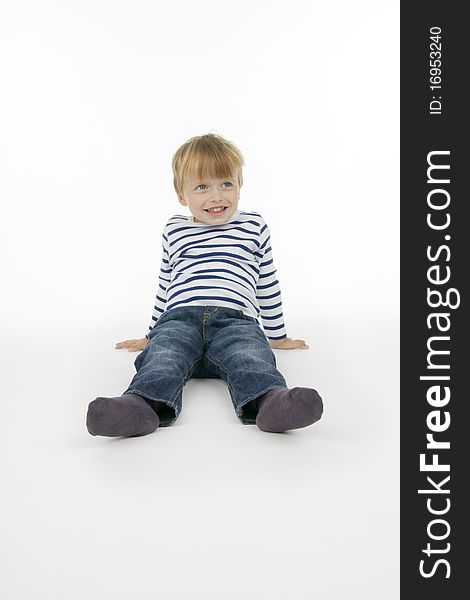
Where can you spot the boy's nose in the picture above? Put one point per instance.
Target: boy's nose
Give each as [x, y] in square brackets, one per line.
[216, 196]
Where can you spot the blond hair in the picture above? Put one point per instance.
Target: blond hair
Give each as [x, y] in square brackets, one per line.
[206, 156]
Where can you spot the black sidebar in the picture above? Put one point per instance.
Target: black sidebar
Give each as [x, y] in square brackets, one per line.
[435, 337]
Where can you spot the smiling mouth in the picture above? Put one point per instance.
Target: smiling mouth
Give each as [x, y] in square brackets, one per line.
[219, 210]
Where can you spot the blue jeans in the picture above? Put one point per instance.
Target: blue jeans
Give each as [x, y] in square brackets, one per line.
[205, 342]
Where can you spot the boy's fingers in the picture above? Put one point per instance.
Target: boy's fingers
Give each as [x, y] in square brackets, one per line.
[125, 344]
[299, 344]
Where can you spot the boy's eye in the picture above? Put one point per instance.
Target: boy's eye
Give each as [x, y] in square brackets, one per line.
[201, 185]
[229, 183]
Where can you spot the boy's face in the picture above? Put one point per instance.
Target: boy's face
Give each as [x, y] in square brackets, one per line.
[203, 196]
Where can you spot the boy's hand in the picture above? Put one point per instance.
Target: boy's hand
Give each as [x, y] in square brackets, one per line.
[288, 344]
[132, 345]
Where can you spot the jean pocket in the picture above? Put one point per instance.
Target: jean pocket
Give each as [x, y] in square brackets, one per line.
[248, 318]
[161, 319]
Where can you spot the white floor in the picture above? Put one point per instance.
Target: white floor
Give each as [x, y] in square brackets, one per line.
[207, 508]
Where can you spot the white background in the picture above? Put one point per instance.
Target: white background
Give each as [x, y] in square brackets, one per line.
[96, 97]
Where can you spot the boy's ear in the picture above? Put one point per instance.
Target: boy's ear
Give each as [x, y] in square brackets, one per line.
[182, 200]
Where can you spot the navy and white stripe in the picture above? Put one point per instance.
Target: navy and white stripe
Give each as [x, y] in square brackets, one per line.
[227, 265]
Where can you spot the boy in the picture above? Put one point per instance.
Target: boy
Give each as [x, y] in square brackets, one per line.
[217, 277]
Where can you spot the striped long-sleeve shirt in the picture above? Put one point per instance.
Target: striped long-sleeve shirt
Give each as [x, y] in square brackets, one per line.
[228, 265]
